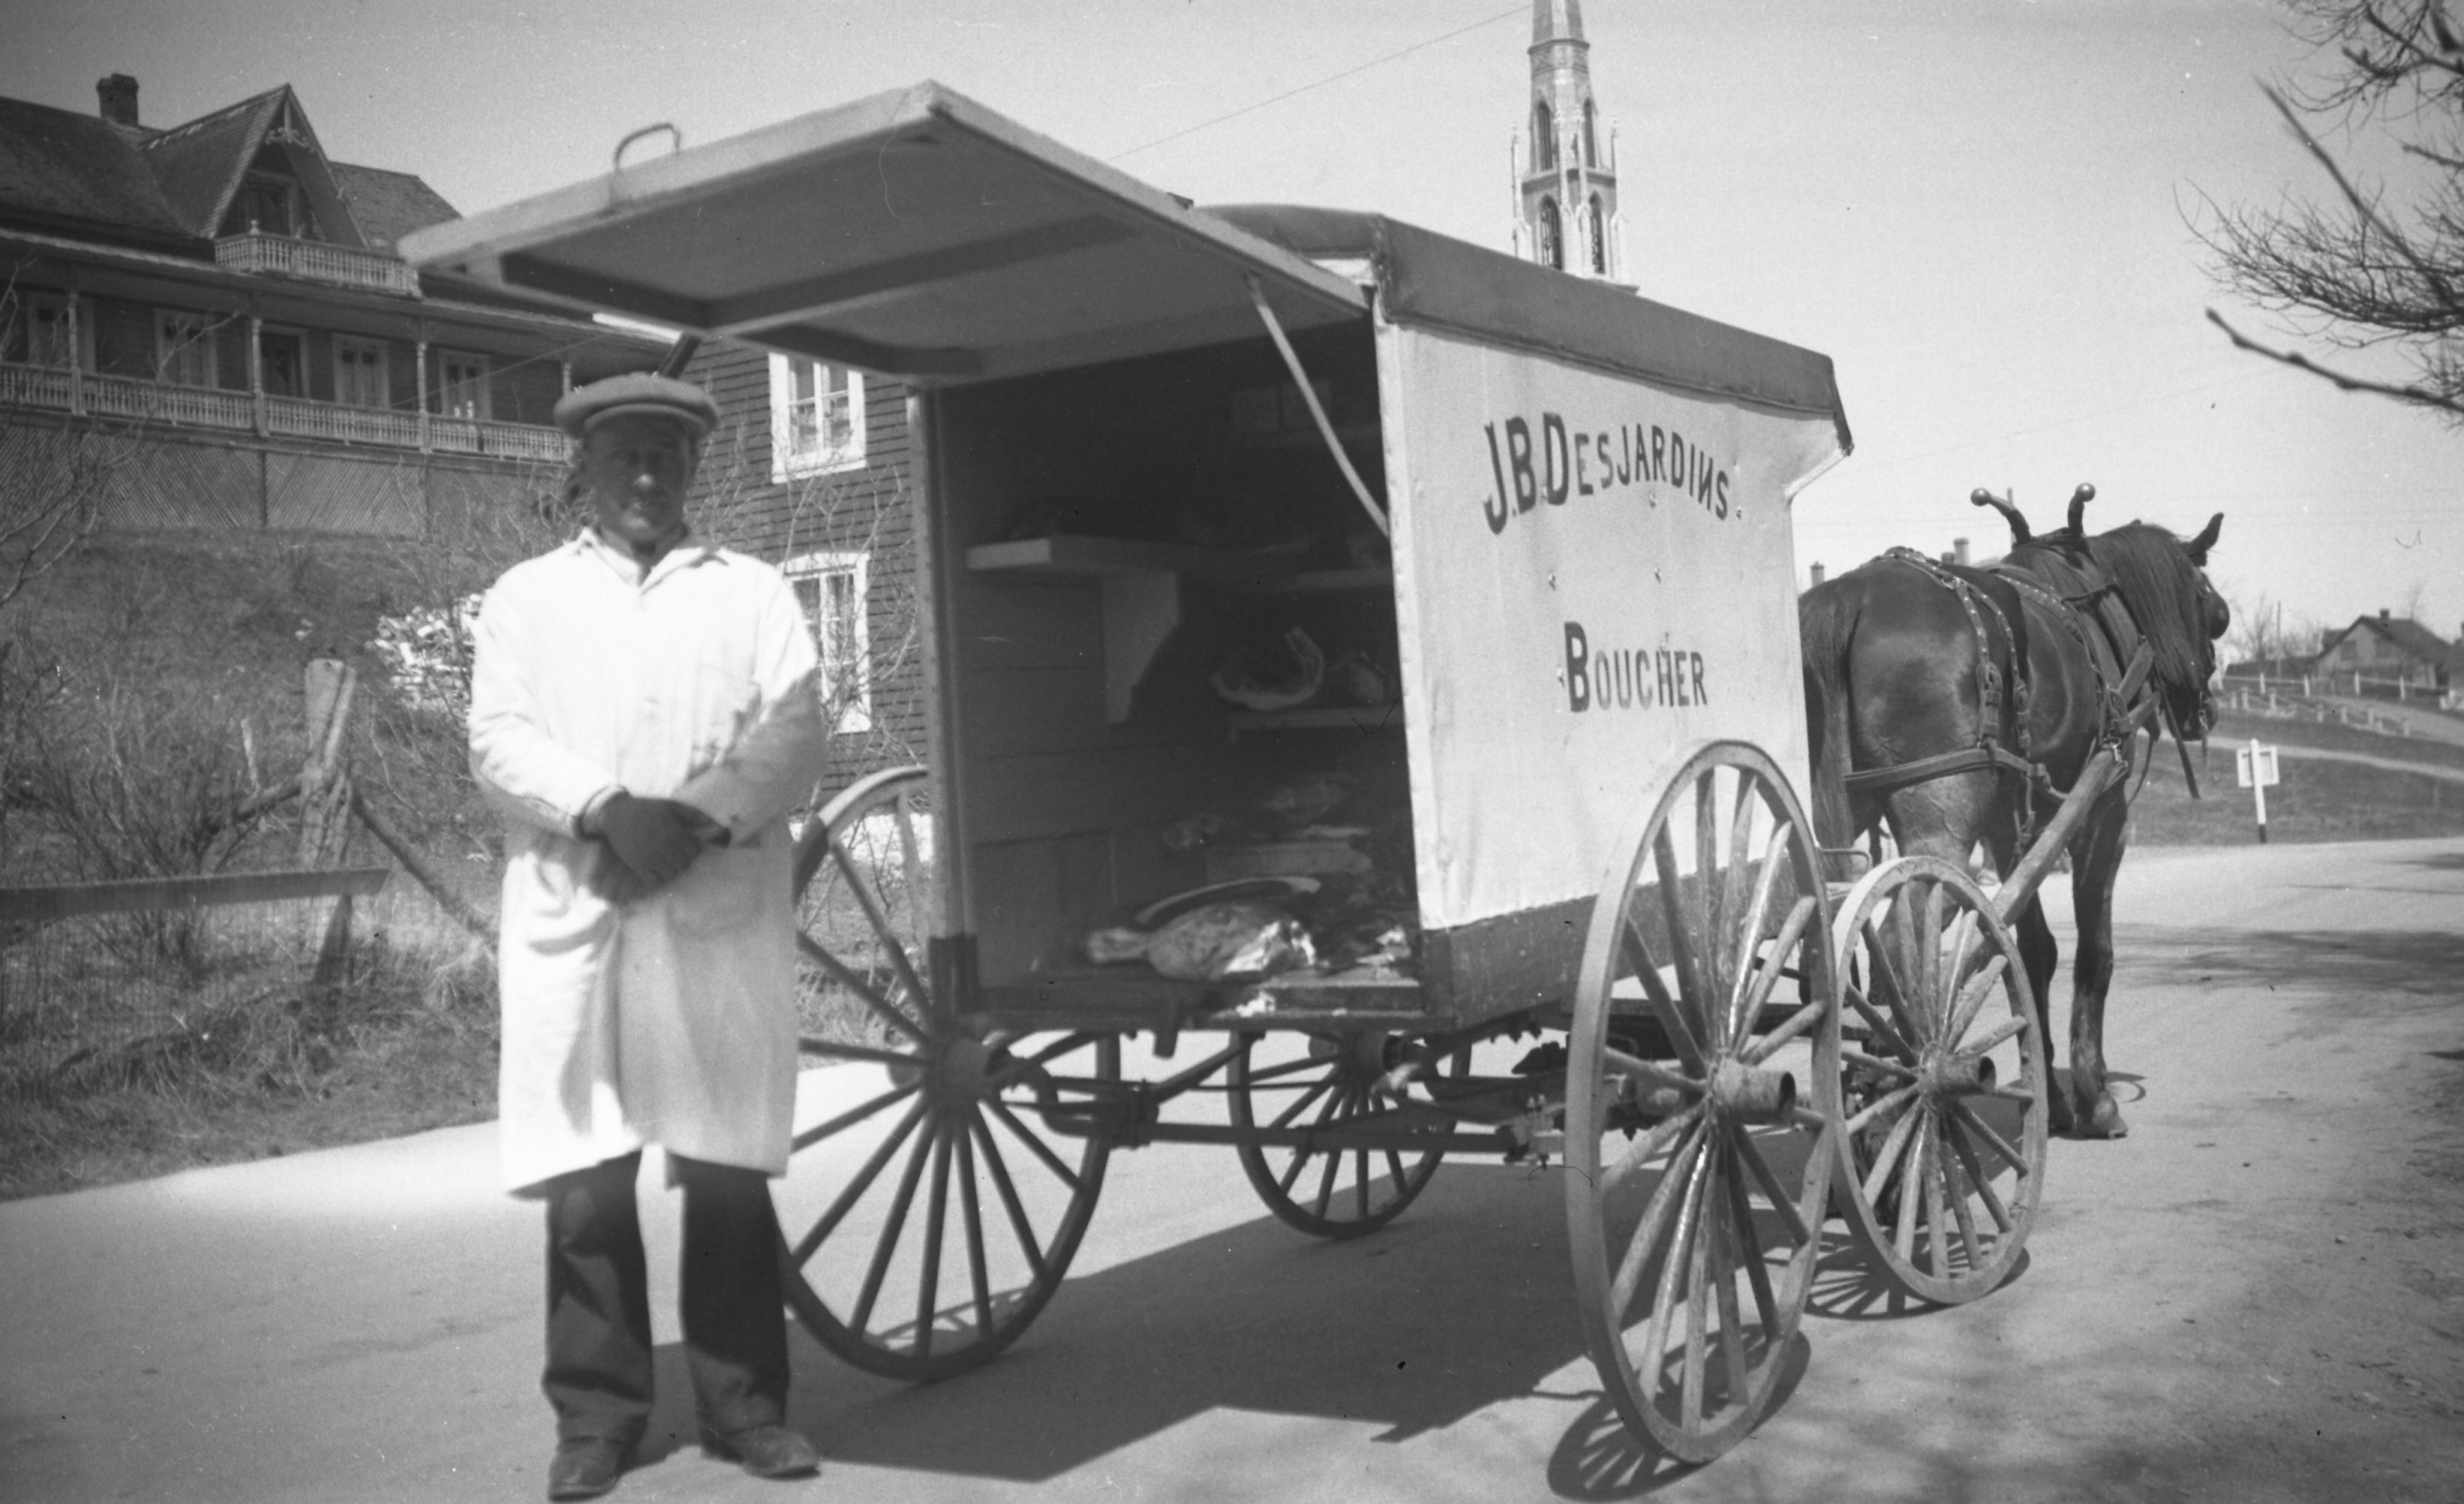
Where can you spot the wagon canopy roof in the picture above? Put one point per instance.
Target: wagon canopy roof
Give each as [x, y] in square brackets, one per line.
[1424, 278]
[914, 233]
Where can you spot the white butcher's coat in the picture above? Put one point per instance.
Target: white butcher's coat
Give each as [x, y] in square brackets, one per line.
[672, 1020]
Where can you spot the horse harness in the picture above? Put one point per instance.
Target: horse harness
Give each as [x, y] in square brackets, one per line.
[2121, 688]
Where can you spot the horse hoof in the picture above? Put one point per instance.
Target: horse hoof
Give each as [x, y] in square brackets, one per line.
[2059, 1118]
[2104, 1120]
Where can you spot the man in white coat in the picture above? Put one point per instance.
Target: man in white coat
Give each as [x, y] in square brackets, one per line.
[644, 710]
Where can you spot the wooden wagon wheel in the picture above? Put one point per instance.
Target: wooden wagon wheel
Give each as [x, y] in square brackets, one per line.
[932, 1210]
[1695, 1183]
[1942, 1099]
[1285, 1080]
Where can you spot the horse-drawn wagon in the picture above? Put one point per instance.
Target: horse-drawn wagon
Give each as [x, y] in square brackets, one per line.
[1443, 603]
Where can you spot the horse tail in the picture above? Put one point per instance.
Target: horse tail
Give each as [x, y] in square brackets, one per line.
[1826, 624]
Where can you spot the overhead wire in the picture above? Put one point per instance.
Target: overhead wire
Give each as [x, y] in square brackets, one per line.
[1332, 77]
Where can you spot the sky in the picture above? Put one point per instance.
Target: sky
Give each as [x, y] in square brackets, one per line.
[1983, 210]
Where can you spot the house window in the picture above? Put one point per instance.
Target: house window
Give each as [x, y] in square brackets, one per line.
[269, 204]
[1552, 236]
[816, 418]
[184, 349]
[1595, 227]
[47, 334]
[1543, 137]
[831, 589]
[282, 363]
[463, 391]
[360, 373]
[1591, 138]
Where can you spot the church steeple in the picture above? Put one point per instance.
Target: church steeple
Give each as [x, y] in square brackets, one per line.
[1565, 185]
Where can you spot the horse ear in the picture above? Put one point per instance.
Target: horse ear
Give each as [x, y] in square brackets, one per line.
[2199, 546]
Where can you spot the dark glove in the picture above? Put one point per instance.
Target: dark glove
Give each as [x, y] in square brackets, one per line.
[657, 839]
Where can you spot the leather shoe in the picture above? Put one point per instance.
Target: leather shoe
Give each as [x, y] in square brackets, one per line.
[765, 1452]
[585, 1467]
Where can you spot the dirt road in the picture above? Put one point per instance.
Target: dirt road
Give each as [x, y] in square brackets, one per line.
[2258, 1296]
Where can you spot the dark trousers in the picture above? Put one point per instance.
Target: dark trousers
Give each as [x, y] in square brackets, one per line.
[598, 1375]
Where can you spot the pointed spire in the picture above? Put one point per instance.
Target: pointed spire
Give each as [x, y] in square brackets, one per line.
[1557, 21]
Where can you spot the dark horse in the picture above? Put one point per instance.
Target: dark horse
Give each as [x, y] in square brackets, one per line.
[1894, 673]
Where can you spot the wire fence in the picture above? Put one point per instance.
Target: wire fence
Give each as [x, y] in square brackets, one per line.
[126, 982]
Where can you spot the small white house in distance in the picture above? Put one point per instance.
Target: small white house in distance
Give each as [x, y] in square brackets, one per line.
[2385, 654]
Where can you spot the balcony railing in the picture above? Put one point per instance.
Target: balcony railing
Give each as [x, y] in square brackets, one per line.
[315, 262]
[292, 417]
[501, 440]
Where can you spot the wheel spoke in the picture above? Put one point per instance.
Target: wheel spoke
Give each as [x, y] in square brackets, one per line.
[1774, 866]
[1027, 1243]
[858, 1184]
[1394, 1166]
[1641, 1151]
[1670, 1012]
[1797, 1023]
[1973, 1171]
[1283, 1119]
[1973, 996]
[1758, 987]
[1890, 980]
[1750, 1242]
[1930, 988]
[1881, 1105]
[1937, 1235]
[971, 1200]
[1326, 1185]
[928, 1287]
[1886, 1033]
[1259, 1075]
[854, 981]
[1879, 1066]
[1360, 1174]
[1675, 1187]
[815, 1045]
[1732, 1347]
[1994, 1035]
[1672, 1268]
[1878, 1173]
[1992, 1141]
[882, 928]
[1955, 1179]
[1698, 1277]
[1682, 913]
[886, 1246]
[1904, 1227]
[1781, 1203]
[851, 1117]
[1042, 1151]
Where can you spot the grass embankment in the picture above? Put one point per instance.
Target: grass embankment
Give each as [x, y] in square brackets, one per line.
[133, 669]
[2320, 799]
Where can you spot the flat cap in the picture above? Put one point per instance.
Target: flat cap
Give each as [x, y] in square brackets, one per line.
[637, 392]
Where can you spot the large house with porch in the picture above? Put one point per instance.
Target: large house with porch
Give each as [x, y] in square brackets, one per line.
[223, 300]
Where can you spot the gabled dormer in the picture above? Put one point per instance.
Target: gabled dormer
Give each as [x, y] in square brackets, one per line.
[254, 166]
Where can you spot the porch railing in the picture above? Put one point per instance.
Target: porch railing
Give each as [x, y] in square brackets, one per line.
[502, 440]
[297, 417]
[315, 262]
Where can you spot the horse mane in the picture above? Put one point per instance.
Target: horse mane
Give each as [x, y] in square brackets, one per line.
[2151, 570]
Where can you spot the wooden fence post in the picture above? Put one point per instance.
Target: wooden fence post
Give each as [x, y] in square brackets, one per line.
[325, 806]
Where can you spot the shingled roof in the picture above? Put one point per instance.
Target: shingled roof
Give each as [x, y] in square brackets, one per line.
[388, 205]
[59, 167]
[2416, 641]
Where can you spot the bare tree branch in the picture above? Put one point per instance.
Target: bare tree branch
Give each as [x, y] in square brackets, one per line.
[2421, 396]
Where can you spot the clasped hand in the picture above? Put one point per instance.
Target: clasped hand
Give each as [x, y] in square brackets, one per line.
[650, 844]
